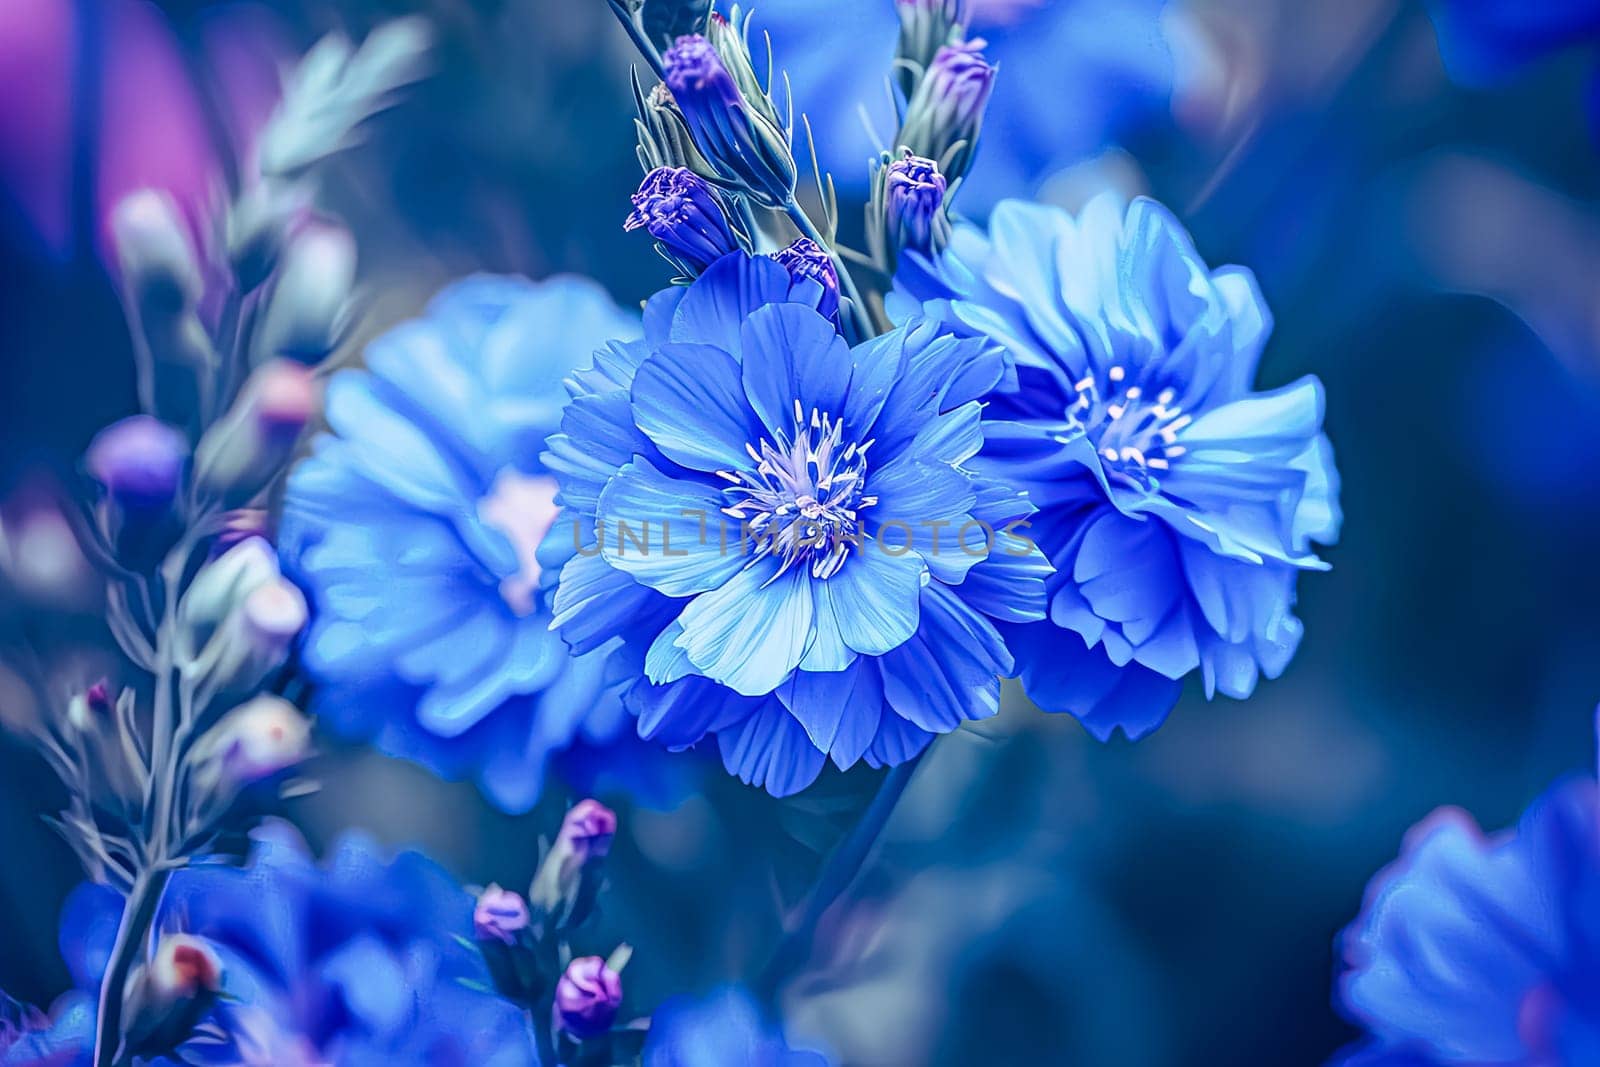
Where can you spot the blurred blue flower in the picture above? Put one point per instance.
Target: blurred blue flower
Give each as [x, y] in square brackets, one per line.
[29, 1038]
[723, 1028]
[1483, 41]
[769, 521]
[1074, 76]
[417, 527]
[1475, 949]
[1177, 504]
[363, 960]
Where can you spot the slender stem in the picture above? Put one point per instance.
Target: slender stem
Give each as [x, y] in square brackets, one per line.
[858, 307]
[137, 916]
[843, 864]
[642, 42]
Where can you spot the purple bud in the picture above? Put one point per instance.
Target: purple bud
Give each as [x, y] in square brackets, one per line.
[807, 262]
[140, 462]
[682, 211]
[587, 998]
[694, 70]
[736, 130]
[946, 111]
[98, 697]
[588, 829]
[563, 889]
[499, 915]
[913, 198]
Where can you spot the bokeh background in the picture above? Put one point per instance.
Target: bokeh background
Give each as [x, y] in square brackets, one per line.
[1429, 240]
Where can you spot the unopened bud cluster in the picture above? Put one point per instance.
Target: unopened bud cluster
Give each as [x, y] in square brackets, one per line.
[521, 937]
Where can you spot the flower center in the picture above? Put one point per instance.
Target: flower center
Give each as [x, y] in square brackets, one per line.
[523, 508]
[1135, 434]
[802, 501]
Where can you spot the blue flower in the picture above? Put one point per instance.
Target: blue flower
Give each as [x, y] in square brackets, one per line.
[1074, 75]
[1474, 949]
[1483, 41]
[722, 1029]
[417, 530]
[64, 1038]
[1177, 504]
[769, 520]
[364, 960]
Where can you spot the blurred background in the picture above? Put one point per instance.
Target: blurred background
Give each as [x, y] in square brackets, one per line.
[1425, 223]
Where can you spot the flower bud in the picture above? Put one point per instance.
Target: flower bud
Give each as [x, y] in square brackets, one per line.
[685, 214]
[254, 641]
[501, 923]
[139, 460]
[925, 27]
[157, 260]
[113, 770]
[664, 138]
[167, 997]
[739, 135]
[807, 263]
[945, 113]
[913, 204]
[220, 587]
[499, 915]
[587, 998]
[249, 446]
[564, 887]
[310, 302]
[255, 742]
[161, 289]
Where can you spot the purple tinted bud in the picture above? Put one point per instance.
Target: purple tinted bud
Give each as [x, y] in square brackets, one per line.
[563, 889]
[588, 829]
[140, 462]
[735, 129]
[587, 998]
[98, 697]
[682, 211]
[694, 70]
[806, 261]
[913, 198]
[945, 113]
[499, 915]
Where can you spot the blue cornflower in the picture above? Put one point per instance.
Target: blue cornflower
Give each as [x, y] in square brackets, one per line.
[417, 527]
[724, 1028]
[363, 960]
[769, 520]
[1177, 504]
[1483, 41]
[1475, 949]
[1074, 76]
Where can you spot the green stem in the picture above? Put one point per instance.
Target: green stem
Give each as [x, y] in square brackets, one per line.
[144, 899]
[642, 42]
[843, 864]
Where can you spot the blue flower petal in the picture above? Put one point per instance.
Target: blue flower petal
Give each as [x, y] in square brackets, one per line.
[666, 532]
[753, 630]
[793, 356]
[688, 399]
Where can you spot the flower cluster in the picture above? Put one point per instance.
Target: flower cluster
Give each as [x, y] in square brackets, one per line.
[1177, 504]
[419, 527]
[783, 532]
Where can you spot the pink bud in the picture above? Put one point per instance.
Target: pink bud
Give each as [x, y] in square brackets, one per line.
[587, 998]
[499, 915]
